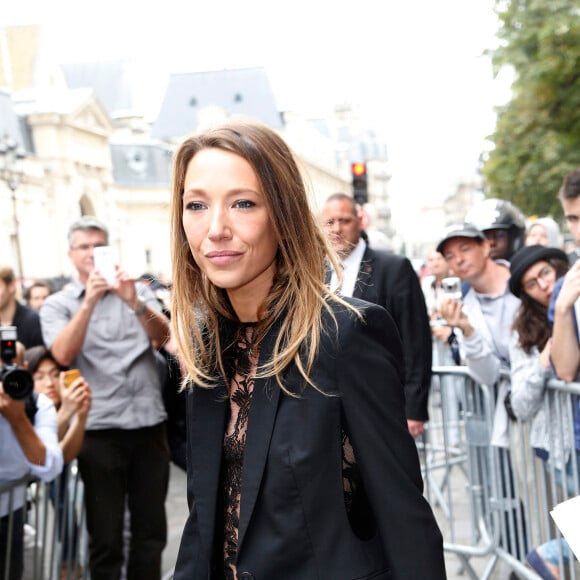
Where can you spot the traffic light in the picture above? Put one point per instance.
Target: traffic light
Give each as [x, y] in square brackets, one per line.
[359, 182]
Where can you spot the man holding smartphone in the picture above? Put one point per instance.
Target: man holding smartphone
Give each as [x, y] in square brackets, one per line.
[107, 332]
[485, 317]
[486, 313]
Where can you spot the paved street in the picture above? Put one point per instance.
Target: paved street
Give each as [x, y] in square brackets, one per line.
[176, 515]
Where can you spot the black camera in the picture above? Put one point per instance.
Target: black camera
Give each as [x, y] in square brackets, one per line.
[17, 382]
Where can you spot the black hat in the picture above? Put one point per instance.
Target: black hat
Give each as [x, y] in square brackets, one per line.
[527, 257]
[460, 231]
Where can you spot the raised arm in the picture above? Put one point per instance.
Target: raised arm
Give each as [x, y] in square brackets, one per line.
[565, 349]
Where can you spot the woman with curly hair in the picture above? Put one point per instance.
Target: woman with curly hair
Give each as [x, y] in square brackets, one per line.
[534, 272]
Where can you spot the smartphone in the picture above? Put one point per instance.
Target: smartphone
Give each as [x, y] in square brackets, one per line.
[452, 287]
[71, 376]
[105, 263]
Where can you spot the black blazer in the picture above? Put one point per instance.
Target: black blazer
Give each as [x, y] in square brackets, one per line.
[390, 280]
[293, 523]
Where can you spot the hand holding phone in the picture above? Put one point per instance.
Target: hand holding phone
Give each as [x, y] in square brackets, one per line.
[105, 263]
[70, 376]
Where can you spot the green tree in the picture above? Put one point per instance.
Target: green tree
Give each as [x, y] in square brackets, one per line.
[537, 134]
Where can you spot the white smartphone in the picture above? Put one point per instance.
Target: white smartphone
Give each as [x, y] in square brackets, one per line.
[105, 263]
[452, 287]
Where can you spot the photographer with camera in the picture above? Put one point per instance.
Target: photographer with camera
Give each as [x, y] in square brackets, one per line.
[28, 432]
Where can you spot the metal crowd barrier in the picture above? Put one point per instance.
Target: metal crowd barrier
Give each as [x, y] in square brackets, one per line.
[493, 504]
[55, 536]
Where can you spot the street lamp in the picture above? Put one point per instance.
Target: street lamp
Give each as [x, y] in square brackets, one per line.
[11, 173]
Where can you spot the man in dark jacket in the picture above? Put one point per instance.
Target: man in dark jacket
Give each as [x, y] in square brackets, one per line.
[13, 313]
[389, 280]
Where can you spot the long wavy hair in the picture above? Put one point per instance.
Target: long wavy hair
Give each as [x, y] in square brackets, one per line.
[531, 321]
[298, 294]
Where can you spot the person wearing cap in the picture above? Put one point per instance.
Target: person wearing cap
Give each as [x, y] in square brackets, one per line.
[485, 315]
[534, 271]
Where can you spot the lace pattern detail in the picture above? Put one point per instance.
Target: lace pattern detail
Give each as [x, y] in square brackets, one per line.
[241, 386]
[350, 472]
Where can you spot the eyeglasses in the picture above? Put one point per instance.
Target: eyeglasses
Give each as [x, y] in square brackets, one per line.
[344, 221]
[87, 247]
[532, 283]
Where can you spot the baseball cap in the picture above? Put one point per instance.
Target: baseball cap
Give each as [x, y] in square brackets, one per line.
[464, 230]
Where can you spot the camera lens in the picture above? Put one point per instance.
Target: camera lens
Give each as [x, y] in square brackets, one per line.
[17, 382]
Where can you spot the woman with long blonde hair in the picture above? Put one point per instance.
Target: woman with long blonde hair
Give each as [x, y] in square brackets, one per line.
[299, 461]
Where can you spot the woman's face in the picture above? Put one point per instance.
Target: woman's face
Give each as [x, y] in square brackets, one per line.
[538, 282]
[537, 236]
[46, 380]
[228, 227]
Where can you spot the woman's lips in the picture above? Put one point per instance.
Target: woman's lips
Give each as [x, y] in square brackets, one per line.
[223, 257]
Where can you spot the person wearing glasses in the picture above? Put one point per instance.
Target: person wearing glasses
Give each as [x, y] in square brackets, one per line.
[107, 332]
[389, 280]
[534, 272]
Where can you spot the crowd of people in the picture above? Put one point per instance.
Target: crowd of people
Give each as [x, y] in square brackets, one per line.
[516, 313]
[306, 355]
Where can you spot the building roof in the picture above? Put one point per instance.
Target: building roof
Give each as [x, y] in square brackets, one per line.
[189, 96]
[110, 80]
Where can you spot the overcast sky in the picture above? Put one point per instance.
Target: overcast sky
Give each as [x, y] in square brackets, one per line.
[414, 68]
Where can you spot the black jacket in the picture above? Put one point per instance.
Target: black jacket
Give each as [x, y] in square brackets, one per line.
[27, 322]
[390, 280]
[293, 522]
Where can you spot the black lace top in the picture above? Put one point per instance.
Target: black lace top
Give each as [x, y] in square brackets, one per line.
[243, 369]
[243, 358]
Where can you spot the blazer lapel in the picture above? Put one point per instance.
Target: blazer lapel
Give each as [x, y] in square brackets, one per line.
[207, 413]
[263, 409]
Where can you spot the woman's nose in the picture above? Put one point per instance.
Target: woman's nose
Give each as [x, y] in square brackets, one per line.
[219, 224]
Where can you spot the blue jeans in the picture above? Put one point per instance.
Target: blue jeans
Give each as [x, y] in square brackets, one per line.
[550, 550]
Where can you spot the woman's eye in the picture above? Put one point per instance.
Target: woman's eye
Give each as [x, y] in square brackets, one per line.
[244, 204]
[194, 206]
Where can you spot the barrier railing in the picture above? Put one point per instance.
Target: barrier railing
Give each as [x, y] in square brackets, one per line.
[492, 503]
[54, 531]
